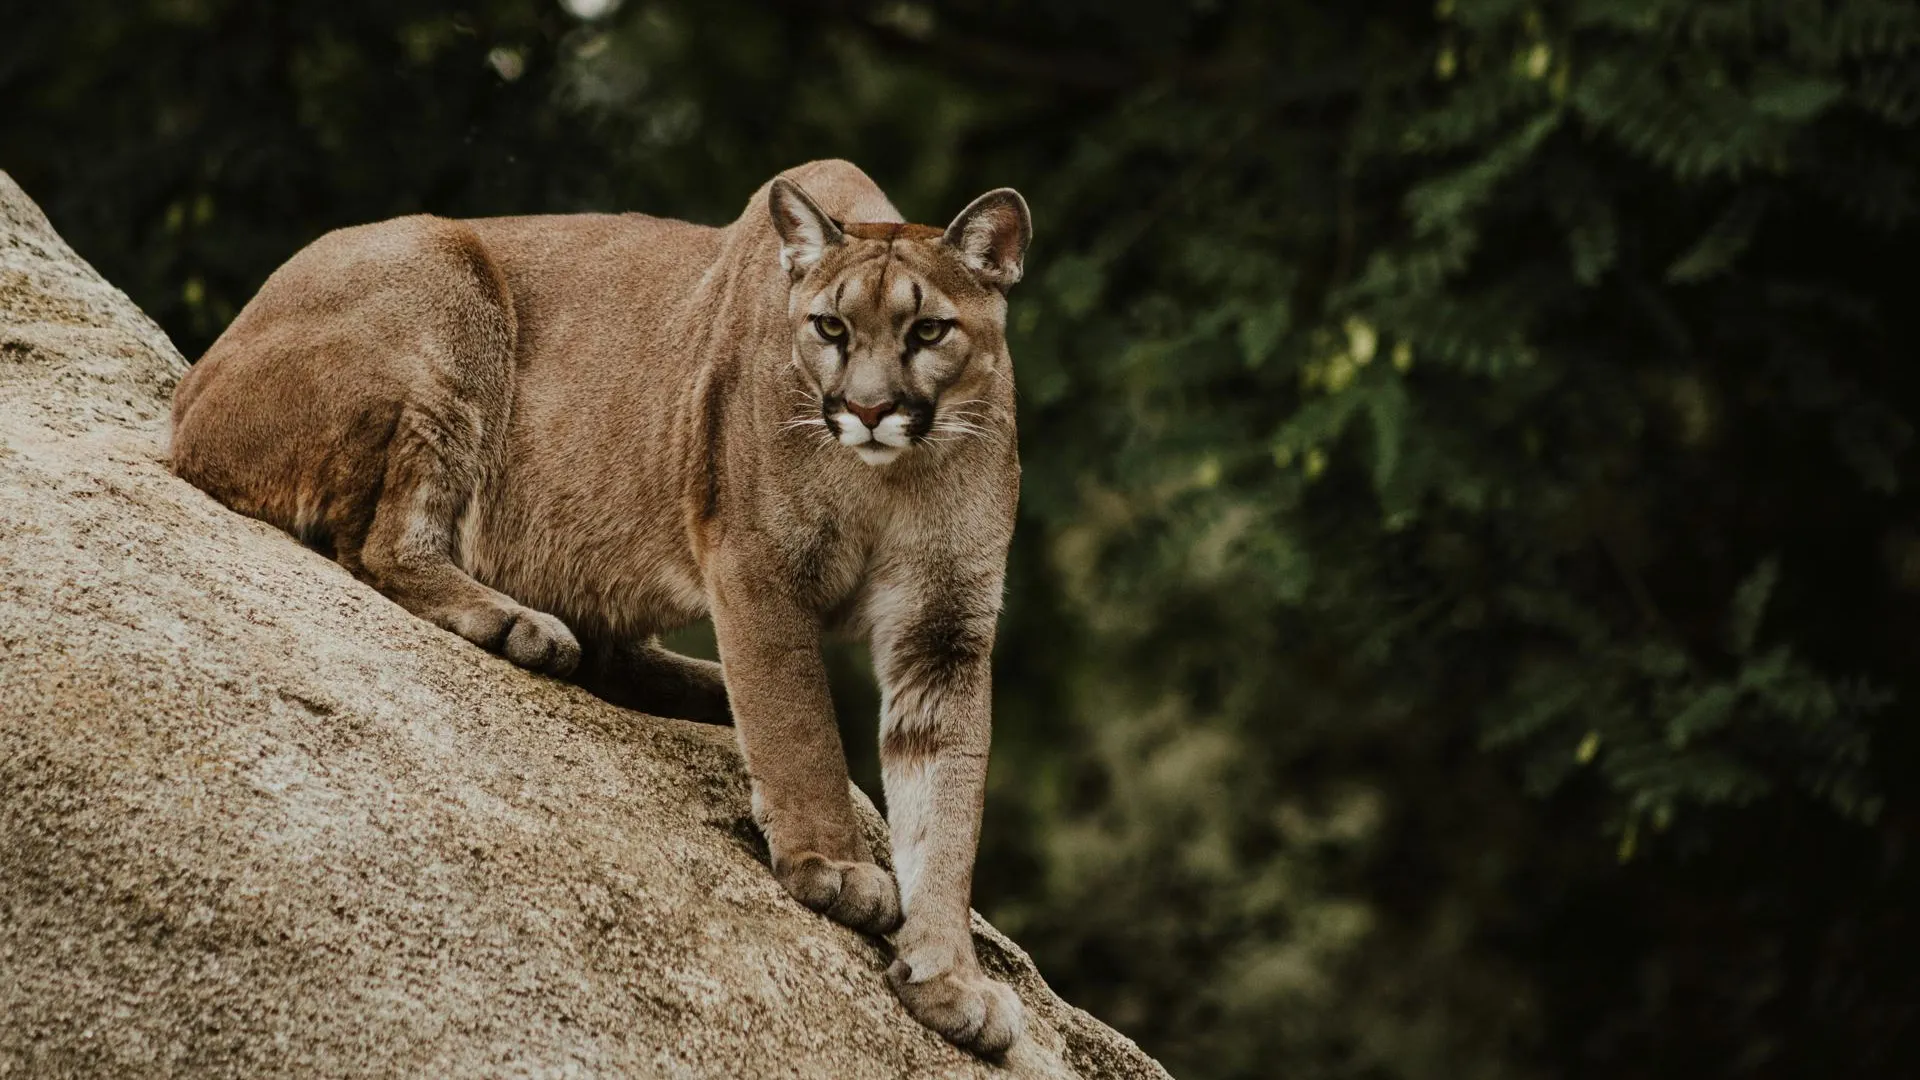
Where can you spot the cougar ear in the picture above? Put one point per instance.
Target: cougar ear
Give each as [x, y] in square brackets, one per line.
[806, 232]
[991, 235]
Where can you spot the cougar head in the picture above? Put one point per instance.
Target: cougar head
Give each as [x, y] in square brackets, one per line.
[898, 328]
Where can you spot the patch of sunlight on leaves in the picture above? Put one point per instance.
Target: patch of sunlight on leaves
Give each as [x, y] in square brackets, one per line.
[1211, 557]
[590, 9]
[1362, 339]
[1588, 749]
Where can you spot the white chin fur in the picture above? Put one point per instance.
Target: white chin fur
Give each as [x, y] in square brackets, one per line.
[876, 453]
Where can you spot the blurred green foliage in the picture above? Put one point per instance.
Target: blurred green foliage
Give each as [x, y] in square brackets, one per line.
[1462, 617]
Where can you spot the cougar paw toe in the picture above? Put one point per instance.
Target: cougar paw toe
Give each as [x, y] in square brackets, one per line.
[969, 1010]
[856, 894]
[539, 641]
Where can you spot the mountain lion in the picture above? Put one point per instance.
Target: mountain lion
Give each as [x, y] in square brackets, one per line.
[559, 436]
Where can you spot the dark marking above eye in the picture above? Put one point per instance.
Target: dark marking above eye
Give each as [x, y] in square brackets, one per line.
[916, 297]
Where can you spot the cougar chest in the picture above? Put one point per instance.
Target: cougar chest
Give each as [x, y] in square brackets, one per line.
[824, 562]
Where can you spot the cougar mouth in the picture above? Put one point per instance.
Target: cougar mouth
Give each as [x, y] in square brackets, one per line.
[881, 434]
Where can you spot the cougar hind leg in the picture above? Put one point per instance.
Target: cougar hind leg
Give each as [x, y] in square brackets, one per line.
[408, 552]
[360, 401]
[447, 448]
[651, 678]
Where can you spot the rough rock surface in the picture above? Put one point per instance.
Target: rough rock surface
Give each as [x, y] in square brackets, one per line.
[255, 820]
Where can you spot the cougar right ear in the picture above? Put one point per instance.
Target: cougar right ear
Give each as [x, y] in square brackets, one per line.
[806, 232]
[991, 235]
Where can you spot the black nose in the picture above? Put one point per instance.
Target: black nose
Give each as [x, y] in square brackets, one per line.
[870, 415]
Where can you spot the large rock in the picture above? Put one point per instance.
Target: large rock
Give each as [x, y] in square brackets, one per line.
[255, 820]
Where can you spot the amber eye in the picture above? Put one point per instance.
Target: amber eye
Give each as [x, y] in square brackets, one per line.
[930, 331]
[831, 327]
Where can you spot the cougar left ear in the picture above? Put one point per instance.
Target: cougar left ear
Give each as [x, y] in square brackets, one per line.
[806, 232]
[991, 235]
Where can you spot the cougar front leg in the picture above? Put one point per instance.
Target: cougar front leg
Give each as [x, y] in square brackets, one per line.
[935, 729]
[777, 685]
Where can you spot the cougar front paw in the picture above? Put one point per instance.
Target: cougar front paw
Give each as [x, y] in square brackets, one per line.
[969, 1010]
[537, 640]
[856, 894]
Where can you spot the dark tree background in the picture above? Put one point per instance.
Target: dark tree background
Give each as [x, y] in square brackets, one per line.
[1463, 620]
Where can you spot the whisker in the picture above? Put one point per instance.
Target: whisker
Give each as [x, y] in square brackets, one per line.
[969, 421]
[962, 417]
[954, 433]
[970, 408]
[980, 414]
